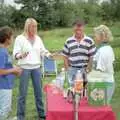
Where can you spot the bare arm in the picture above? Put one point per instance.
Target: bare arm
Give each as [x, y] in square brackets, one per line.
[89, 67]
[66, 63]
[5, 72]
[15, 71]
[66, 53]
[92, 51]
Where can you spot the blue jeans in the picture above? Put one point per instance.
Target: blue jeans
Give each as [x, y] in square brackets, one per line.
[110, 91]
[23, 87]
[71, 74]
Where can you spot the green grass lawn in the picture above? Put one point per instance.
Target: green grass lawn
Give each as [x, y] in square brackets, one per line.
[54, 41]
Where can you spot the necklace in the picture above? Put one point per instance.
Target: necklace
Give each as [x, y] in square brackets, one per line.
[102, 45]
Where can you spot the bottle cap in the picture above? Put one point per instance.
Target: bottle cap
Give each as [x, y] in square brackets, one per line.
[79, 71]
[63, 69]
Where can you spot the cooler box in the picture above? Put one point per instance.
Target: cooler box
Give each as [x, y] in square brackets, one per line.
[97, 93]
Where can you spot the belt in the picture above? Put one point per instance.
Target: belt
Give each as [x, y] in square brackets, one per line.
[79, 66]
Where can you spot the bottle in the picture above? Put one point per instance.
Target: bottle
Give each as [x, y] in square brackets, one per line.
[60, 79]
[78, 85]
[66, 83]
[78, 92]
[63, 77]
[66, 86]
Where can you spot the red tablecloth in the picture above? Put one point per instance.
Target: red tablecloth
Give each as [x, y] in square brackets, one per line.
[59, 109]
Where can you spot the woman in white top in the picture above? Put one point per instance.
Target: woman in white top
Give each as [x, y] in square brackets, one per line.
[104, 58]
[28, 48]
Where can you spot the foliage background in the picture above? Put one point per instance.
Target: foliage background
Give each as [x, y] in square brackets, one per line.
[60, 13]
[55, 17]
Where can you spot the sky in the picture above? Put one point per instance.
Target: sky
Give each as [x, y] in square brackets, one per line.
[12, 2]
[9, 2]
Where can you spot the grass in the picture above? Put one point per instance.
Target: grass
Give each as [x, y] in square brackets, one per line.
[54, 41]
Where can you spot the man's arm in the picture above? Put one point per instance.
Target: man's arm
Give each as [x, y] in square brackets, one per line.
[66, 53]
[89, 67]
[15, 71]
[66, 62]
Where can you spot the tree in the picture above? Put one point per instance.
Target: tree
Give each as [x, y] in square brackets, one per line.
[60, 13]
[110, 10]
[115, 6]
[2, 2]
[6, 13]
[41, 10]
[93, 1]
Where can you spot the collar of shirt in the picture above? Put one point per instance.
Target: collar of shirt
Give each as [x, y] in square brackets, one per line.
[102, 45]
[81, 39]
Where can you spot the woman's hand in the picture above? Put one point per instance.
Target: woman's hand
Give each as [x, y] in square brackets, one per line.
[21, 56]
[56, 56]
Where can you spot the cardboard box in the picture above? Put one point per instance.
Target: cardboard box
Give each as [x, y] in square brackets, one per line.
[97, 93]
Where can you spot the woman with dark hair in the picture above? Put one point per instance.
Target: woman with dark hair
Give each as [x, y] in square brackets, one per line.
[7, 72]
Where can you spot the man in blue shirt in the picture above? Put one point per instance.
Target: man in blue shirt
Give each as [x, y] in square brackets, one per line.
[7, 72]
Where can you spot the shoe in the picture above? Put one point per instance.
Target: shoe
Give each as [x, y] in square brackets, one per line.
[42, 118]
[14, 118]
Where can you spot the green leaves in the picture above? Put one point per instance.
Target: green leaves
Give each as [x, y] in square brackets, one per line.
[60, 13]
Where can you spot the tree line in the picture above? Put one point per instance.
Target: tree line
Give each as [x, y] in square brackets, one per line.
[60, 13]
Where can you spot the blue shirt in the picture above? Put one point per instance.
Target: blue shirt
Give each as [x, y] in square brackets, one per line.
[6, 81]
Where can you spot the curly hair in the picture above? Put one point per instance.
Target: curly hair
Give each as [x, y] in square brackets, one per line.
[103, 30]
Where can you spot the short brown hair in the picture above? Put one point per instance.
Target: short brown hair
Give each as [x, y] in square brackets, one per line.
[5, 33]
[78, 23]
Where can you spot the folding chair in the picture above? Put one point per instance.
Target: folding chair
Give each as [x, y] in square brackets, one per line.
[49, 66]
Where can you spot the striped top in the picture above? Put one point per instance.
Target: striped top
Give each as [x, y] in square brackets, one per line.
[79, 52]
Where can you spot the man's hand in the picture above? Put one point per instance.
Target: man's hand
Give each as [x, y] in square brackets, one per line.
[89, 67]
[17, 71]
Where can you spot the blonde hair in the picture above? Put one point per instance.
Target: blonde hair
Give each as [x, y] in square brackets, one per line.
[104, 31]
[27, 23]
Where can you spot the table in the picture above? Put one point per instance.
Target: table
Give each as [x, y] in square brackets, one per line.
[59, 109]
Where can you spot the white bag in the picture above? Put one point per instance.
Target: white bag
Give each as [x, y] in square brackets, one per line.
[98, 76]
